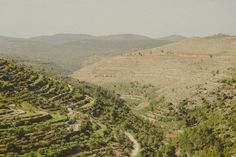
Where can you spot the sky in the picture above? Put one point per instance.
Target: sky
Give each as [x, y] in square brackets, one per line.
[154, 18]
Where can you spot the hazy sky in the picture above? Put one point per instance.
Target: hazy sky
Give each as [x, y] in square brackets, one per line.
[155, 18]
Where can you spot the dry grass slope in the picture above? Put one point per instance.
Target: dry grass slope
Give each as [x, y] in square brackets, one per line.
[180, 67]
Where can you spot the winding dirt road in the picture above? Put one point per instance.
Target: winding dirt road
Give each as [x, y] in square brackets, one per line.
[136, 145]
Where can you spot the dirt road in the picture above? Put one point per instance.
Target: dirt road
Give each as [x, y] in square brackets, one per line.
[136, 145]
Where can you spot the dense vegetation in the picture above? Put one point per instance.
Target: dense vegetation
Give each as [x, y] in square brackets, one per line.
[209, 128]
[44, 116]
[52, 116]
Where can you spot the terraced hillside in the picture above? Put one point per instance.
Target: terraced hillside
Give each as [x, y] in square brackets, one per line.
[44, 116]
[178, 67]
[52, 116]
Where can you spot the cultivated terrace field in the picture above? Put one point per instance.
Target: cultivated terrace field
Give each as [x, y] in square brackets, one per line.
[49, 116]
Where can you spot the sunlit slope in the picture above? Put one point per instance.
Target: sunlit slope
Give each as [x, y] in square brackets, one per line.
[175, 67]
[203, 46]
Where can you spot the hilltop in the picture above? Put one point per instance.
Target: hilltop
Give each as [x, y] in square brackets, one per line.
[202, 46]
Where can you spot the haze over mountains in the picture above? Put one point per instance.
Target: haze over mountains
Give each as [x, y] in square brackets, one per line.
[70, 52]
[65, 38]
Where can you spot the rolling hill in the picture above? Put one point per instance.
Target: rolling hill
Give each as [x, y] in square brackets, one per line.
[179, 67]
[74, 51]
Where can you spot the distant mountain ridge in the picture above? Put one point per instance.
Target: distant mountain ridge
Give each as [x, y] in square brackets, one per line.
[173, 38]
[73, 51]
[66, 38]
[124, 37]
[8, 39]
[219, 35]
[62, 38]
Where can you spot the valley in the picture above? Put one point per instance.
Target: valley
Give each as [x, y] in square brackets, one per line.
[107, 78]
[165, 101]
